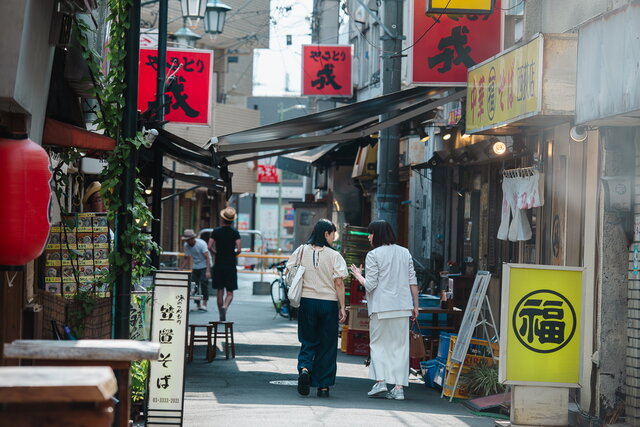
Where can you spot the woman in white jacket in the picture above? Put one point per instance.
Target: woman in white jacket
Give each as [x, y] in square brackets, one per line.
[392, 299]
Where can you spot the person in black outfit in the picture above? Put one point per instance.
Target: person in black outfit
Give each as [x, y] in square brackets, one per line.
[225, 245]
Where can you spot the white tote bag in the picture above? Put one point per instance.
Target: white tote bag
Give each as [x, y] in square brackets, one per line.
[294, 281]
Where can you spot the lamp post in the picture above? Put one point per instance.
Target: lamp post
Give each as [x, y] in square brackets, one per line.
[190, 9]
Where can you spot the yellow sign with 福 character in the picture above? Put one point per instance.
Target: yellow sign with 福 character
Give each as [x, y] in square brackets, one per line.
[505, 88]
[541, 325]
[460, 6]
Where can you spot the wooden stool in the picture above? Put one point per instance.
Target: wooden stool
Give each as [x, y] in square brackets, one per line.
[228, 337]
[193, 338]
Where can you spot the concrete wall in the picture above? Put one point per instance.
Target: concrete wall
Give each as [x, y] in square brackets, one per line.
[26, 62]
[552, 16]
[618, 160]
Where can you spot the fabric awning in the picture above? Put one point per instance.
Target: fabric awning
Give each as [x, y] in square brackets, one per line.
[66, 135]
[337, 125]
[301, 162]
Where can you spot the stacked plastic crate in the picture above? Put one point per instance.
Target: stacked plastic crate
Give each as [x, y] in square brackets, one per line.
[355, 246]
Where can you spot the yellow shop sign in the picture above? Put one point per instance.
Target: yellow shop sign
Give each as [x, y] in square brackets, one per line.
[505, 88]
[460, 6]
[540, 325]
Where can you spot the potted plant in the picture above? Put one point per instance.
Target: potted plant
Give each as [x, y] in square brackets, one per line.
[483, 380]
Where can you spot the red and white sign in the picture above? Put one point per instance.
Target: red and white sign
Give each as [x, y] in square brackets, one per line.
[268, 174]
[446, 46]
[326, 70]
[188, 90]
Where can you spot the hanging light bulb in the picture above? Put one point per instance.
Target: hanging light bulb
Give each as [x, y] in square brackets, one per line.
[499, 148]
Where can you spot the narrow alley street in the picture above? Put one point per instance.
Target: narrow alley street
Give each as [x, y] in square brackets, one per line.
[258, 387]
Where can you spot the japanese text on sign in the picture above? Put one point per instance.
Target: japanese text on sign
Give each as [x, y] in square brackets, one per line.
[541, 329]
[187, 91]
[454, 43]
[170, 307]
[504, 89]
[326, 70]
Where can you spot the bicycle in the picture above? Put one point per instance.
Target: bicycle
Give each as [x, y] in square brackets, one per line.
[279, 290]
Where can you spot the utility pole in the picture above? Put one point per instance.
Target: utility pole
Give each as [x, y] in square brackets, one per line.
[388, 185]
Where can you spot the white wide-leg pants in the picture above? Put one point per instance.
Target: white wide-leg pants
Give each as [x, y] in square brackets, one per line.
[389, 343]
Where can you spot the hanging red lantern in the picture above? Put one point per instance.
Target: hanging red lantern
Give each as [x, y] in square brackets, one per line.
[25, 197]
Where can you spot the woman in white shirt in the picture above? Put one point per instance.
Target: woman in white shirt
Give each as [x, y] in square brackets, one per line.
[392, 299]
[321, 306]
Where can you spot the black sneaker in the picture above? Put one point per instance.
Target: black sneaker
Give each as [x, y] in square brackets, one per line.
[304, 381]
[323, 392]
[223, 314]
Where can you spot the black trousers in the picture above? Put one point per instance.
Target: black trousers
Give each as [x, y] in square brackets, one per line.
[318, 336]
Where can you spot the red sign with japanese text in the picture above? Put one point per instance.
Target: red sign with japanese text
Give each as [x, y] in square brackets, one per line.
[188, 85]
[326, 70]
[268, 173]
[445, 46]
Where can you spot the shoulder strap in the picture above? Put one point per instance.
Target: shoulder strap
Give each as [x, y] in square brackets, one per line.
[299, 260]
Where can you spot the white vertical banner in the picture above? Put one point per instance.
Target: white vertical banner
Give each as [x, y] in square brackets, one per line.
[169, 328]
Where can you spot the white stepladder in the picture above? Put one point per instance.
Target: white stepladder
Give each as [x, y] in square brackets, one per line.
[478, 313]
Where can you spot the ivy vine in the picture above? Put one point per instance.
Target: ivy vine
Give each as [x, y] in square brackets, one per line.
[109, 86]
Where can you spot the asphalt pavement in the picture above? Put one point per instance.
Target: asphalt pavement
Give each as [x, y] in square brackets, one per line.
[258, 387]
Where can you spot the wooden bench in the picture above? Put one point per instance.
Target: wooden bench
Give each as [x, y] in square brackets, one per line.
[56, 397]
[116, 354]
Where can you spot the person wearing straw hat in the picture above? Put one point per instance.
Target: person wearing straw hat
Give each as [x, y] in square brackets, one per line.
[201, 268]
[92, 200]
[225, 244]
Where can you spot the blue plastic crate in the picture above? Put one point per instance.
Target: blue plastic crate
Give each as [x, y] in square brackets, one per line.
[425, 300]
[429, 369]
[443, 345]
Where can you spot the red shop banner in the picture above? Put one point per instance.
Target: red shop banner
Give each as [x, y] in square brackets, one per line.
[268, 174]
[326, 70]
[188, 88]
[452, 44]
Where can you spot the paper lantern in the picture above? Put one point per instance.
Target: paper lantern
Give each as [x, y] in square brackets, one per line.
[25, 197]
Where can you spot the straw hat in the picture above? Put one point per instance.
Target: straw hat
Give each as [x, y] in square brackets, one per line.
[93, 188]
[188, 234]
[228, 214]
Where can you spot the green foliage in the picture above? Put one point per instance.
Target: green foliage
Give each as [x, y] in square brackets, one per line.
[139, 374]
[109, 88]
[86, 301]
[483, 380]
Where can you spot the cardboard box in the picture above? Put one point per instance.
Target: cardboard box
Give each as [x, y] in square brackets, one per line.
[358, 318]
[357, 343]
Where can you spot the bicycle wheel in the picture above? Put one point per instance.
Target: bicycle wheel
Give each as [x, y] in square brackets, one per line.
[279, 298]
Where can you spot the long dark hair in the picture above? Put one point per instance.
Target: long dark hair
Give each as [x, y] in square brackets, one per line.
[317, 235]
[382, 233]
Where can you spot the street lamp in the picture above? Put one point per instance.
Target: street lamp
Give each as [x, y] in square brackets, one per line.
[191, 8]
[214, 16]
[185, 37]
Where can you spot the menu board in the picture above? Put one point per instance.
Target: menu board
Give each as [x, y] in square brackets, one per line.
[77, 252]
